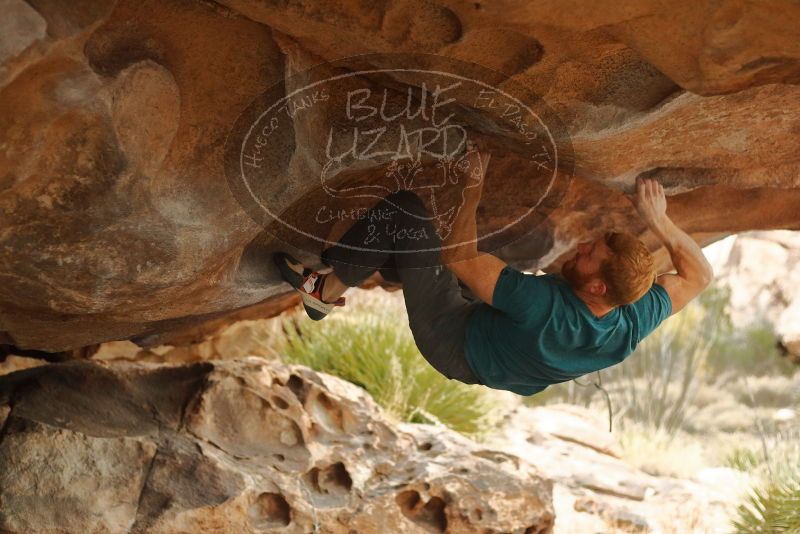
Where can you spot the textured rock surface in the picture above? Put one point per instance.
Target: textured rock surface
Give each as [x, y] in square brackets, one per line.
[115, 216]
[762, 270]
[596, 491]
[241, 446]
[253, 446]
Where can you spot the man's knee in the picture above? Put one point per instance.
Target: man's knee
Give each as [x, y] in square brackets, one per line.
[408, 201]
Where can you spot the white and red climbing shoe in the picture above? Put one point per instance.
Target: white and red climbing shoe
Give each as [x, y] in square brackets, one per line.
[309, 284]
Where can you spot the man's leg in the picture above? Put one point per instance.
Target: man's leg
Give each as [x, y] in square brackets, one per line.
[387, 238]
[367, 247]
[399, 238]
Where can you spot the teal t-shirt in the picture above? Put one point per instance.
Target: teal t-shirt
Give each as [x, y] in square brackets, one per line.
[538, 332]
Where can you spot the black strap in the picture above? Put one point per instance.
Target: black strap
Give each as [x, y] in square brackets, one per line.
[599, 385]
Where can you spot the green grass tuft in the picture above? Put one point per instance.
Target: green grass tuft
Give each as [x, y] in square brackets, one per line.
[371, 345]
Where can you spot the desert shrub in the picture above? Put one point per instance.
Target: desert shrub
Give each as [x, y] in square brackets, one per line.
[752, 350]
[772, 507]
[742, 403]
[726, 415]
[371, 345]
[743, 458]
[776, 391]
[659, 452]
[714, 391]
[774, 501]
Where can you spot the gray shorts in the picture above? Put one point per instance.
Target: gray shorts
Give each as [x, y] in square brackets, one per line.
[439, 325]
[437, 309]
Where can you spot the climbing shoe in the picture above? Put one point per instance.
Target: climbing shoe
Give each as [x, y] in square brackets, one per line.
[309, 284]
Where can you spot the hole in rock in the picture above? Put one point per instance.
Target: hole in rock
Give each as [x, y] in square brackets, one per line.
[110, 50]
[430, 515]
[298, 387]
[331, 479]
[426, 446]
[539, 529]
[336, 476]
[270, 510]
[280, 403]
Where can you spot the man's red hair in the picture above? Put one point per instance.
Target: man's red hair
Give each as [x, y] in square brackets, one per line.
[629, 272]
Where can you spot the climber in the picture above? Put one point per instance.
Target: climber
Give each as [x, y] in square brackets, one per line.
[524, 331]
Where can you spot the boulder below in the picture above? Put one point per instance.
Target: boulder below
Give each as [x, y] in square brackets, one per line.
[255, 446]
[241, 446]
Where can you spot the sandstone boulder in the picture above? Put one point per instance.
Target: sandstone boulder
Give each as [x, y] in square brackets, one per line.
[595, 490]
[241, 446]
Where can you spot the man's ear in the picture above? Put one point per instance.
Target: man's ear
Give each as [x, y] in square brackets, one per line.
[597, 287]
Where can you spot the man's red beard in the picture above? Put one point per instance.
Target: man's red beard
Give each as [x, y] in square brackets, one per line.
[576, 280]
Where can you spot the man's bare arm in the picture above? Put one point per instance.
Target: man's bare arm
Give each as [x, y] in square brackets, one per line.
[480, 274]
[694, 272]
[479, 271]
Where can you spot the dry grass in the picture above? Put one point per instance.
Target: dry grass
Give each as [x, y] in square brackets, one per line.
[659, 453]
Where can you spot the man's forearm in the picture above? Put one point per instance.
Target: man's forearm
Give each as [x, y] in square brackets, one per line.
[462, 242]
[687, 256]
